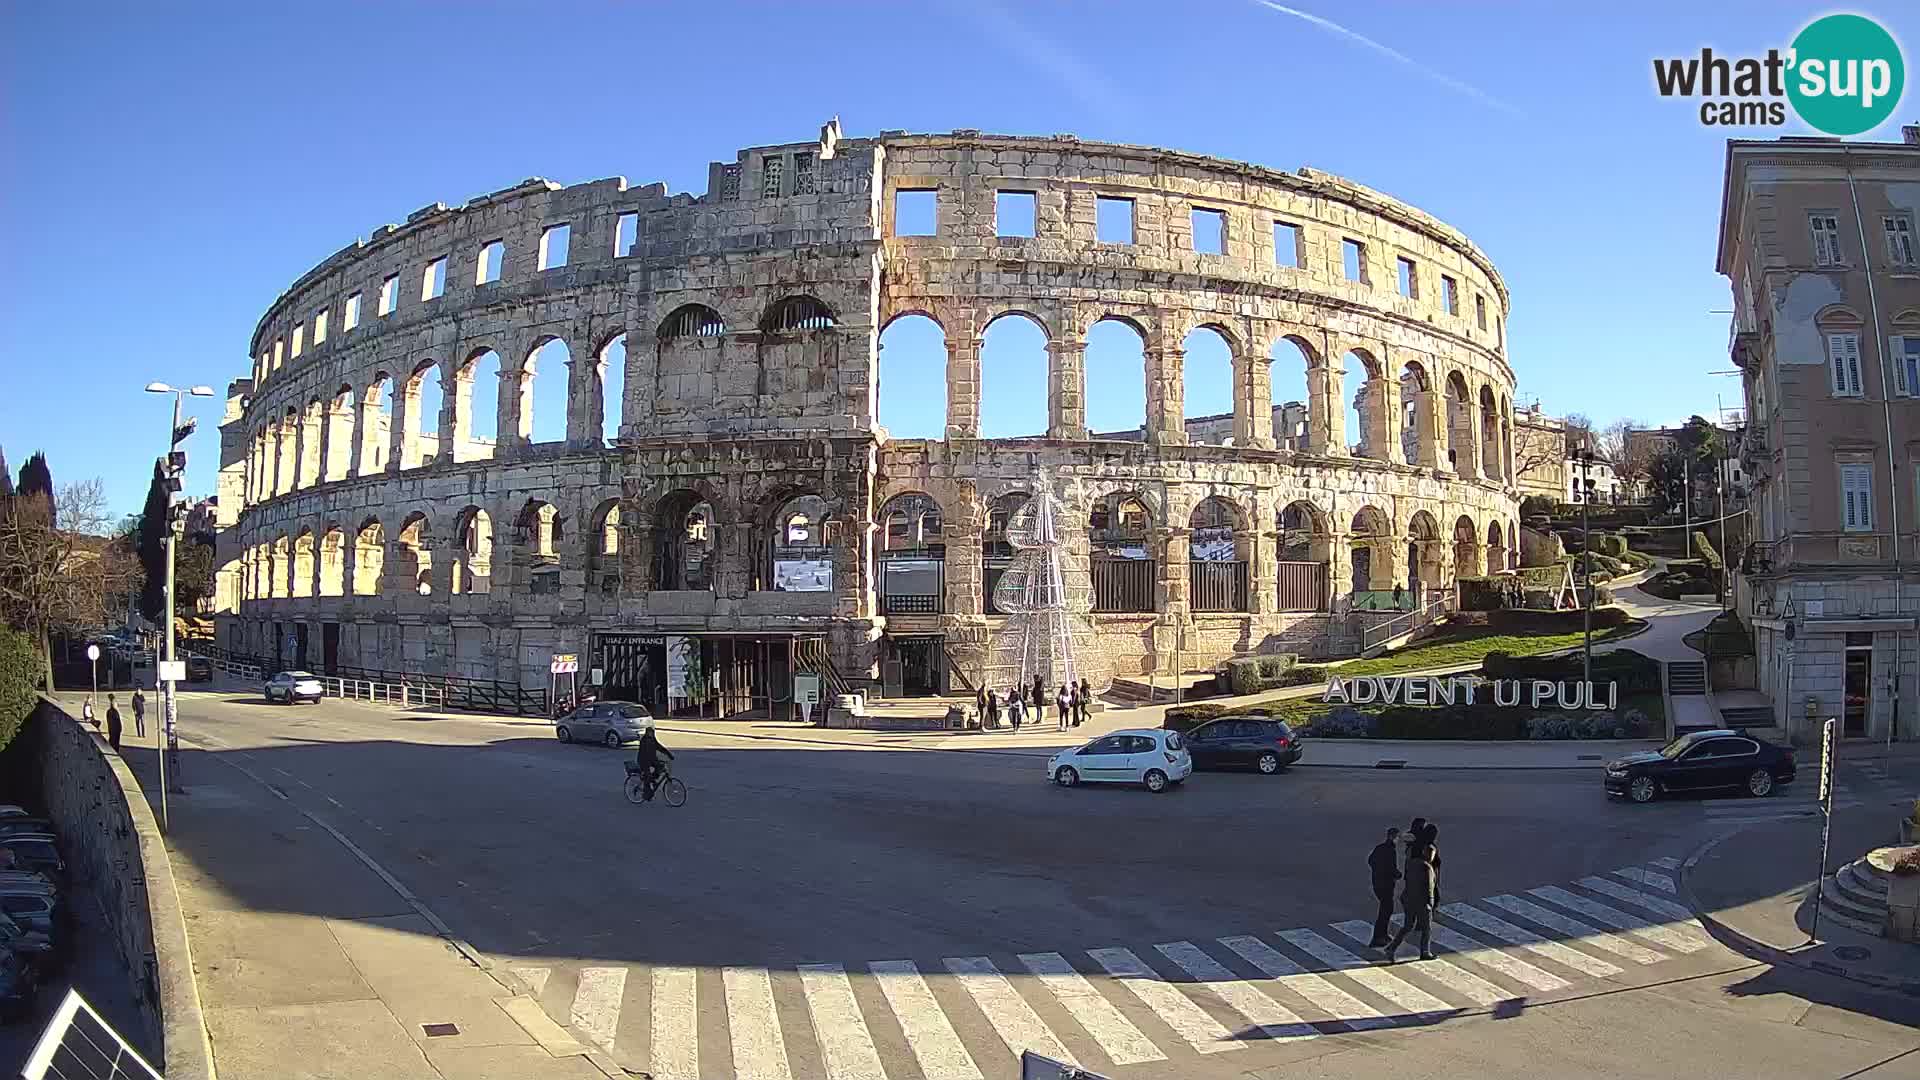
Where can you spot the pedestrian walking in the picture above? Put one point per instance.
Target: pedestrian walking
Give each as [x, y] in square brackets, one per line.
[1417, 899]
[1431, 841]
[1063, 701]
[139, 714]
[86, 712]
[1016, 709]
[1383, 864]
[1086, 700]
[1038, 700]
[113, 725]
[993, 709]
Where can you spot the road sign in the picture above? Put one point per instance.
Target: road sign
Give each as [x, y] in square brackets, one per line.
[173, 671]
[1829, 734]
[806, 694]
[1829, 740]
[93, 652]
[564, 664]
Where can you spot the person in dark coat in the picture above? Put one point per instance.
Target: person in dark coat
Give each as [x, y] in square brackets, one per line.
[113, 725]
[1016, 709]
[1086, 699]
[992, 709]
[139, 714]
[1431, 839]
[1039, 699]
[1417, 899]
[1383, 863]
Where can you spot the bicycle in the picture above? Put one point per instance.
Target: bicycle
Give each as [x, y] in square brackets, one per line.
[665, 784]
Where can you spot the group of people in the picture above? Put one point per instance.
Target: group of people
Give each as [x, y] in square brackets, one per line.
[1419, 876]
[1071, 702]
[113, 717]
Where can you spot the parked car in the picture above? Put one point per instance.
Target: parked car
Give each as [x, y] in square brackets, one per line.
[30, 945]
[27, 879]
[25, 826]
[36, 852]
[10, 810]
[291, 686]
[1699, 762]
[1151, 756]
[34, 910]
[199, 669]
[19, 985]
[1266, 744]
[610, 723]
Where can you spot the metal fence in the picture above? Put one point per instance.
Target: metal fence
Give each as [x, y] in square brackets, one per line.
[1217, 585]
[403, 688]
[1303, 586]
[1123, 585]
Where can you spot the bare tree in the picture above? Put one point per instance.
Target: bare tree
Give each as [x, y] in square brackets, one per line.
[1537, 449]
[1632, 458]
[1579, 432]
[66, 576]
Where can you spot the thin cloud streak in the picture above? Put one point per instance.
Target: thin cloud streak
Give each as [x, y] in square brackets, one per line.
[1387, 50]
[1083, 82]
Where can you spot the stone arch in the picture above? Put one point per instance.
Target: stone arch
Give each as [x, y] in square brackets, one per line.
[610, 369]
[691, 321]
[914, 358]
[689, 354]
[419, 420]
[1122, 561]
[912, 521]
[1115, 373]
[472, 568]
[795, 314]
[1303, 544]
[333, 562]
[799, 557]
[1014, 370]
[1466, 548]
[686, 541]
[1419, 430]
[301, 584]
[1489, 433]
[604, 574]
[1506, 438]
[1426, 554]
[544, 392]
[369, 557]
[912, 555]
[336, 453]
[1208, 363]
[1370, 543]
[996, 552]
[1369, 408]
[538, 536]
[311, 432]
[1219, 549]
[1293, 366]
[280, 568]
[413, 553]
[1461, 455]
[1496, 548]
[376, 423]
[476, 405]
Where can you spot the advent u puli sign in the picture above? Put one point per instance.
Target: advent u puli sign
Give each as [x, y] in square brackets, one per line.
[1462, 689]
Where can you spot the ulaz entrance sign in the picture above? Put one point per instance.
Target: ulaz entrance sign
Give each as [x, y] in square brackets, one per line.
[1461, 689]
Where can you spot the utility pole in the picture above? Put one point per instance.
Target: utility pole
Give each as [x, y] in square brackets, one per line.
[174, 468]
[1584, 458]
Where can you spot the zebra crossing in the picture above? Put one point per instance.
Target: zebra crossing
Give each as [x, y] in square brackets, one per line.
[970, 1017]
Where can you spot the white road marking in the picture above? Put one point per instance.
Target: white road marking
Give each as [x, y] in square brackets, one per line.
[1118, 1038]
[596, 1003]
[534, 977]
[1647, 877]
[1408, 997]
[929, 1033]
[1652, 903]
[759, 1051]
[1527, 939]
[1577, 930]
[1512, 967]
[844, 1040]
[1667, 862]
[1677, 938]
[1174, 1008]
[1457, 979]
[675, 1038]
[1274, 1020]
[1337, 1003]
[1012, 1018]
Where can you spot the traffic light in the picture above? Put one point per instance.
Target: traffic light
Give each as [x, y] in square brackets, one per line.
[174, 469]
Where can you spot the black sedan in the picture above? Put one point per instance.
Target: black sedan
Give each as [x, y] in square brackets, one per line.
[199, 669]
[1700, 762]
[1266, 744]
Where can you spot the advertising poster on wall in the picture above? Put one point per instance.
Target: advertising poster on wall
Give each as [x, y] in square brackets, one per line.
[680, 663]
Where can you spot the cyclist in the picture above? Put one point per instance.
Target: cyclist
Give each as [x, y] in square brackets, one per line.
[647, 758]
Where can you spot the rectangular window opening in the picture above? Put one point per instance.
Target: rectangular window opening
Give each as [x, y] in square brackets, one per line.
[1409, 278]
[772, 176]
[492, 254]
[320, 325]
[553, 245]
[1480, 310]
[389, 295]
[1449, 295]
[625, 232]
[1013, 213]
[915, 212]
[1353, 260]
[803, 174]
[1112, 220]
[1209, 231]
[1286, 244]
[433, 280]
[299, 340]
[1826, 239]
[352, 313]
[1899, 240]
[1856, 494]
[1906, 364]
[1843, 352]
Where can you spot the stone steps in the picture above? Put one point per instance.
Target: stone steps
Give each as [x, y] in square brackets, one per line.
[1855, 896]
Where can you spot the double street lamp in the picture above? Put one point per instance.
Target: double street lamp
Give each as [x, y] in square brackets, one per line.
[173, 468]
[1583, 457]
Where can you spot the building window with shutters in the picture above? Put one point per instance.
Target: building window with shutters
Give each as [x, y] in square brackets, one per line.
[1899, 239]
[1826, 238]
[1856, 497]
[1906, 364]
[1843, 364]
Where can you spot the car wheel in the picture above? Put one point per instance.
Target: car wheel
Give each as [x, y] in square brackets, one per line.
[613, 740]
[1643, 789]
[1156, 781]
[1760, 783]
[563, 734]
[1066, 776]
[1269, 763]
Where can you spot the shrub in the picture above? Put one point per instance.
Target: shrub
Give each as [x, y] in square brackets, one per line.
[1252, 674]
[1611, 544]
[19, 682]
[1707, 554]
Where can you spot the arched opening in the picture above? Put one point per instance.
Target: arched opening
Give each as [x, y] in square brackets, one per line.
[1426, 555]
[1371, 558]
[537, 538]
[1418, 441]
[422, 417]
[1013, 377]
[302, 583]
[911, 390]
[333, 562]
[1291, 357]
[913, 556]
[312, 430]
[1367, 419]
[477, 408]
[369, 558]
[1513, 546]
[280, 569]
[799, 558]
[1305, 546]
[996, 552]
[1496, 548]
[1490, 441]
[1466, 549]
[1116, 380]
[472, 572]
[414, 554]
[1207, 386]
[1122, 564]
[285, 477]
[685, 531]
[603, 550]
[376, 425]
[688, 350]
[1506, 439]
[613, 387]
[1217, 556]
[544, 397]
[691, 321]
[793, 314]
[796, 356]
[337, 459]
[1459, 426]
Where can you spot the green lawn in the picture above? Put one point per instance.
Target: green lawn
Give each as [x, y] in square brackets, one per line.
[1464, 648]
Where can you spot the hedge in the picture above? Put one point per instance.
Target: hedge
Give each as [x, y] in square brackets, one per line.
[1635, 673]
[1541, 620]
[1252, 674]
[19, 682]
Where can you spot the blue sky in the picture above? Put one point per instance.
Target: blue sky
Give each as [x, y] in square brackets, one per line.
[167, 171]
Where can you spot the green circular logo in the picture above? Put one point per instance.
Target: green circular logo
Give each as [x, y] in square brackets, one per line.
[1847, 74]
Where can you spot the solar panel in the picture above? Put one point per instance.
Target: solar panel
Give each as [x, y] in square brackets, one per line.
[79, 1045]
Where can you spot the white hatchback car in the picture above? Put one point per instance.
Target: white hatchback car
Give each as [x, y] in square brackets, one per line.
[1150, 756]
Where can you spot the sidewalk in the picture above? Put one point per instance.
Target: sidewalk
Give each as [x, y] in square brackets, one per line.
[1752, 889]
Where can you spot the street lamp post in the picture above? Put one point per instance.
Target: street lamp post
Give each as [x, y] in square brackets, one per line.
[1584, 458]
[174, 467]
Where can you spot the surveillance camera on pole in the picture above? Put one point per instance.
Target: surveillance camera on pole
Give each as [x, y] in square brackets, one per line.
[169, 671]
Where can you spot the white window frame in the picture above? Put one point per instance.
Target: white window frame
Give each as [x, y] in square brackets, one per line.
[1843, 365]
[1900, 247]
[1905, 351]
[1856, 496]
[1825, 227]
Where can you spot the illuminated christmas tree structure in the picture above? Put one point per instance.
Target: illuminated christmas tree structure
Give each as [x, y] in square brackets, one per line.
[1046, 595]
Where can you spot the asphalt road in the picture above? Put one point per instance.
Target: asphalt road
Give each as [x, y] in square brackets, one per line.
[789, 858]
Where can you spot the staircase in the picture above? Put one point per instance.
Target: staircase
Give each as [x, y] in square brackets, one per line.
[1686, 677]
[1856, 897]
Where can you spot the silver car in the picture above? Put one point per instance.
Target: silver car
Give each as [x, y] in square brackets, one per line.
[609, 723]
[291, 686]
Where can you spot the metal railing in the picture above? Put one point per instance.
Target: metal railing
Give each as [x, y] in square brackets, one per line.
[1123, 585]
[1387, 629]
[404, 688]
[1302, 586]
[1217, 585]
